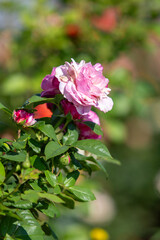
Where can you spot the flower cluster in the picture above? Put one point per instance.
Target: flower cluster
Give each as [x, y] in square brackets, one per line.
[82, 86]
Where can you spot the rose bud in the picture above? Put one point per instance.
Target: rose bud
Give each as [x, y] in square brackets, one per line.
[24, 118]
[65, 160]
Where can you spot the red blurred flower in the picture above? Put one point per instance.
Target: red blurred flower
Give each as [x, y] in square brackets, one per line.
[42, 111]
[107, 21]
[72, 30]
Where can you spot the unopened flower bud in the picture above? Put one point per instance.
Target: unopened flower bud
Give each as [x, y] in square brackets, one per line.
[24, 118]
[26, 163]
[65, 160]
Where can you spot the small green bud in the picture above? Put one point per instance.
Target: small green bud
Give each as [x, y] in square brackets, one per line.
[64, 160]
[26, 163]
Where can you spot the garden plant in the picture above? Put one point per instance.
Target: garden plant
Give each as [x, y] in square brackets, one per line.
[39, 170]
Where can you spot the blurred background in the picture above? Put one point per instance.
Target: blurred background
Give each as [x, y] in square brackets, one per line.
[124, 36]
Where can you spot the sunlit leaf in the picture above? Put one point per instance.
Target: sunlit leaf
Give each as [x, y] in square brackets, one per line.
[53, 149]
[83, 194]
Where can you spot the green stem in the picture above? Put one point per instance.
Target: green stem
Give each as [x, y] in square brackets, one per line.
[15, 190]
[65, 125]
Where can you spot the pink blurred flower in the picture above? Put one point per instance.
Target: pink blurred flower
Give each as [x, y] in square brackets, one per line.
[23, 117]
[85, 131]
[84, 85]
[50, 85]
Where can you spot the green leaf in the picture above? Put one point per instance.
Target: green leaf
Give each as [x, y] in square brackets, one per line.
[49, 232]
[95, 127]
[71, 179]
[81, 157]
[29, 227]
[22, 204]
[99, 164]
[96, 147]
[53, 149]
[36, 147]
[75, 162]
[13, 215]
[2, 173]
[4, 140]
[30, 195]
[7, 211]
[16, 157]
[47, 129]
[8, 237]
[68, 201]
[57, 189]
[38, 162]
[50, 210]
[3, 108]
[82, 193]
[21, 142]
[51, 178]
[51, 197]
[37, 100]
[35, 186]
[7, 226]
[71, 136]
[60, 178]
[3, 208]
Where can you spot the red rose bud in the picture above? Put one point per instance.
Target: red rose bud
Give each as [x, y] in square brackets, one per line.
[24, 118]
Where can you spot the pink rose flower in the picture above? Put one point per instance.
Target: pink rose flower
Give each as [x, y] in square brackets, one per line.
[50, 85]
[85, 131]
[23, 117]
[84, 85]
[68, 107]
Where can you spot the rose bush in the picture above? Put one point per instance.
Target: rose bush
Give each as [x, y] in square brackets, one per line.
[39, 169]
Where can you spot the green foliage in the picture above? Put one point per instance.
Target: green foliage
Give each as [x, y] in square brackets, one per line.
[39, 171]
[45, 36]
[2, 173]
[95, 147]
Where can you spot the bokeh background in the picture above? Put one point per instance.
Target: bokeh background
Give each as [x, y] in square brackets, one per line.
[124, 36]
